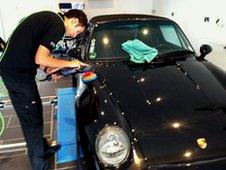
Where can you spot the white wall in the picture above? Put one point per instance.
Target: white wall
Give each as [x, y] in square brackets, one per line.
[100, 7]
[189, 14]
[12, 11]
[2, 34]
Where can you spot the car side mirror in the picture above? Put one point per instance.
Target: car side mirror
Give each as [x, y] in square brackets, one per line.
[204, 50]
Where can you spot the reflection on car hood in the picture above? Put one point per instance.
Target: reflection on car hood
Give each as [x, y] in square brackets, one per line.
[170, 107]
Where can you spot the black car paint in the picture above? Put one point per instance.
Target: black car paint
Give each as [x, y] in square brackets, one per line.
[183, 90]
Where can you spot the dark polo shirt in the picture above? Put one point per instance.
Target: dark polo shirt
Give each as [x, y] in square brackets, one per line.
[42, 28]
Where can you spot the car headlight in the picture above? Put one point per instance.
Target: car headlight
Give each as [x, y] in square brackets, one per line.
[112, 146]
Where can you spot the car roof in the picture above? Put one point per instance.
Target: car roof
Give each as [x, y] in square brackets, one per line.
[120, 17]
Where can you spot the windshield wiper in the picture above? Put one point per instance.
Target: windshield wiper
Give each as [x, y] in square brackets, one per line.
[176, 53]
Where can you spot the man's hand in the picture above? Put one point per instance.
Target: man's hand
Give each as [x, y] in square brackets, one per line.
[50, 70]
[56, 77]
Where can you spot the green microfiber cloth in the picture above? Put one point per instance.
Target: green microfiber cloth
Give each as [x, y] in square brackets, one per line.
[139, 52]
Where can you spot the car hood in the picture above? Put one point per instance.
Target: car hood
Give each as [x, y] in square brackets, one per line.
[176, 110]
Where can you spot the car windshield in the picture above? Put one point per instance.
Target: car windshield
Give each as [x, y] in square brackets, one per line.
[165, 36]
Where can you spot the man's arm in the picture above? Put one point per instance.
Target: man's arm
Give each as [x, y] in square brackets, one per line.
[47, 69]
[44, 58]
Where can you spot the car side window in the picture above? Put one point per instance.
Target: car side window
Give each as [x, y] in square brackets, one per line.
[170, 35]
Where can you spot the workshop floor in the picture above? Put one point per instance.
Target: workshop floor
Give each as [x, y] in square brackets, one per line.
[13, 151]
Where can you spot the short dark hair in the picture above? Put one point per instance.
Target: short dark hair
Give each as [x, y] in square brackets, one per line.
[75, 13]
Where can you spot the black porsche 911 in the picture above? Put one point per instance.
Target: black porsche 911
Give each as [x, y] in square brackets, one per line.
[169, 113]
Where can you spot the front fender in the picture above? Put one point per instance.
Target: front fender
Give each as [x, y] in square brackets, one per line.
[96, 109]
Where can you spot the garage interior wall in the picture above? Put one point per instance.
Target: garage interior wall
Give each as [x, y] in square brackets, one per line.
[2, 33]
[12, 11]
[198, 21]
[100, 7]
